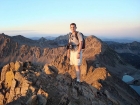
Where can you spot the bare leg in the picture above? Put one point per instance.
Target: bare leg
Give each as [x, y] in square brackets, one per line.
[78, 72]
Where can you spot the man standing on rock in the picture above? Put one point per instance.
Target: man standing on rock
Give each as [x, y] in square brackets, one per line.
[75, 49]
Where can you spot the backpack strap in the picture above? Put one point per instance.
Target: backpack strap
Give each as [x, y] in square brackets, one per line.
[82, 37]
[77, 36]
[69, 37]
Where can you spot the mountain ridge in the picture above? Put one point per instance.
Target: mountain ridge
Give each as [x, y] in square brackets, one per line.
[47, 73]
[96, 52]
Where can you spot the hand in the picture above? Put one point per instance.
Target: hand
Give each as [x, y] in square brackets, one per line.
[78, 55]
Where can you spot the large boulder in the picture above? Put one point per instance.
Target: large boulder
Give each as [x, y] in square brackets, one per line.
[9, 78]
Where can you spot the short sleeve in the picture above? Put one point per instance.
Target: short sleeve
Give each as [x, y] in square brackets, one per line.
[80, 37]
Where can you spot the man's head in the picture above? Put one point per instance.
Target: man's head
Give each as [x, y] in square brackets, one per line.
[73, 27]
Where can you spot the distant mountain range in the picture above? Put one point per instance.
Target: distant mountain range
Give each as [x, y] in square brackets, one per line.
[119, 40]
[130, 52]
[47, 37]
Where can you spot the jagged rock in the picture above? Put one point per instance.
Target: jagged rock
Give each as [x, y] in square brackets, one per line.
[45, 51]
[1, 99]
[54, 69]
[83, 68]
[41, 100]
[96, 103]
[32, 100]
[38, 53]
[12, 66]
[32, 89]
[97, 74]
[24, 87]
[37, 100]
[31, 77]
[18, 66]
[67, 79]
[60, 78]
[0, 84]
[64, 100]
[74, 93]
[4, 70]
[7, 95]
[98, 87]
[72, 103]
[37, 74]
[17, 91]
[88, 94]
[93, 90]
[12, 91]
[21, 48]
[50, 69]
[8, 79]
[27, 64]
[18, 77]
[38, 82]
[109, 96]
[47, 69]
[43, 93]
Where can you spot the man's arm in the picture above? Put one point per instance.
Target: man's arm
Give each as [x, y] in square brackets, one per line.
[68, 53]
[80, 46]
[79, 49]
[68, 50]
[80, 42]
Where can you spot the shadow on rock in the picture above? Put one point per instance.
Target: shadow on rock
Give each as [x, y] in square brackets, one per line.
[28, 84]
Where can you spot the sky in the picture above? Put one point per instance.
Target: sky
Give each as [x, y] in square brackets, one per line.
[102, 18]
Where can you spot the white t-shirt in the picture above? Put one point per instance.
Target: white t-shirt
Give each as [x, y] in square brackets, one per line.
[73, 39]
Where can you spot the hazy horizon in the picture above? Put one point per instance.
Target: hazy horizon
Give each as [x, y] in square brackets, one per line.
[114, 39]
[106, 19]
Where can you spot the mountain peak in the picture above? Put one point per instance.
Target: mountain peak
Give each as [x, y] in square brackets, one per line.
[42, 39]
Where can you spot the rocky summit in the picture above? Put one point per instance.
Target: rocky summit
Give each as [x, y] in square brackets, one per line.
[24, 83]
[39, 73]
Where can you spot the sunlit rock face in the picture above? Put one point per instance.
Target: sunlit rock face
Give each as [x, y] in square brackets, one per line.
[36, 73]
[42, 51]
[33, 84]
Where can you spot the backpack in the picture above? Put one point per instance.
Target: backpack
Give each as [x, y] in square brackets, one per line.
[83, 46]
